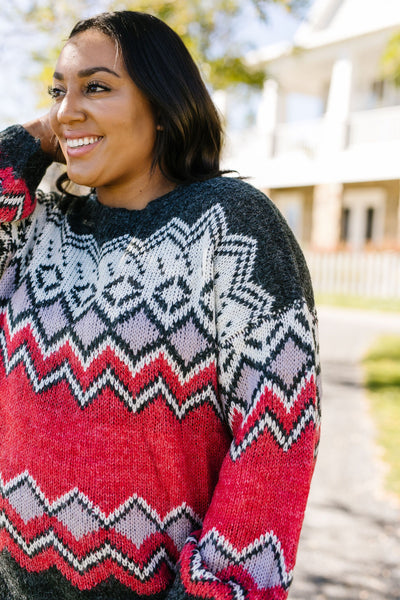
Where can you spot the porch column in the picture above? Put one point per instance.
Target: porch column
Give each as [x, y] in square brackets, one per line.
[327, 210]
[338, 107]
[267, 115]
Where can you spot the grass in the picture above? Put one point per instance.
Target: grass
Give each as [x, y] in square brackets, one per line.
[382, 379]
[390, 305]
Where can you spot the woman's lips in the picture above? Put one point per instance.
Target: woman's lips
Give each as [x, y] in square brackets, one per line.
[82, 145]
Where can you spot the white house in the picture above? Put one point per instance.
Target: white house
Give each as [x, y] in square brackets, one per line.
[326, 144]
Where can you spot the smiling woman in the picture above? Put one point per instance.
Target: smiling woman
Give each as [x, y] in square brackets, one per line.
[100, 114]
[159, 375]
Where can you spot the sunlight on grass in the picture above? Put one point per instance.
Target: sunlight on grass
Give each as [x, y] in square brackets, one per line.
[382, 379]
[390, 305]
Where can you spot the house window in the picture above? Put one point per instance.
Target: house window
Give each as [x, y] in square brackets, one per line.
[363, 217]
[345, 225]
[384, 92]
[378, 92]
[369, 225]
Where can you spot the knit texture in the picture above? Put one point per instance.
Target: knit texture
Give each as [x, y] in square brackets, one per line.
[159, 406]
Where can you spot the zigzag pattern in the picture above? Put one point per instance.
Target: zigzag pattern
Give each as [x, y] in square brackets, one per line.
[270, 421]
[134, 519]
[263, 559]
[280, 353]
[215, 566]
[159, 375]
[76, 536]
[155, 375]
[91, 336]
[278, 394]
[105, 552]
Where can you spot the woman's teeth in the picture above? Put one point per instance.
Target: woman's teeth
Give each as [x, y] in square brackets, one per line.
[86, 141]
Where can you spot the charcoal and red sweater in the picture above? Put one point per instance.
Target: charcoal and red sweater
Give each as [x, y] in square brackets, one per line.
[159, 411]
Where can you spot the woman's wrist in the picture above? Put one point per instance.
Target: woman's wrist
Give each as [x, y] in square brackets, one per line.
[40, 129]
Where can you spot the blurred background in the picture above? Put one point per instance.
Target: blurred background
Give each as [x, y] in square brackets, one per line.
[309, 91]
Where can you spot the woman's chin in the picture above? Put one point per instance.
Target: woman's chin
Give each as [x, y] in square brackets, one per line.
[80, 180]
[81, 185]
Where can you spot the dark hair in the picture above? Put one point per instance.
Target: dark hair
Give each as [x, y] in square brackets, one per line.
[189, 139]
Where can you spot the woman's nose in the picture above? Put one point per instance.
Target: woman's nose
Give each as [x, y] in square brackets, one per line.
[70, 108]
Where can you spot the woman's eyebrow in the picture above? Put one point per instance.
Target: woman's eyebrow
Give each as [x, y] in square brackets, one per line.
[86, 72]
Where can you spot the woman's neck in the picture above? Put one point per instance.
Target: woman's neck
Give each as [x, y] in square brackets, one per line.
[135, 195]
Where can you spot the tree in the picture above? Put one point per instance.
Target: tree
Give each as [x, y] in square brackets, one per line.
[206, 26]
[391, 60]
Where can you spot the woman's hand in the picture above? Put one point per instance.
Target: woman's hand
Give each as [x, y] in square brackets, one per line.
[41, 129]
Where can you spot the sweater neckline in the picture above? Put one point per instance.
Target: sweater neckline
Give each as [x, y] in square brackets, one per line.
[103, 218]
[113, 211]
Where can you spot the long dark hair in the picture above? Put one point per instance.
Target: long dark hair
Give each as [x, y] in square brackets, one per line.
[189, 137]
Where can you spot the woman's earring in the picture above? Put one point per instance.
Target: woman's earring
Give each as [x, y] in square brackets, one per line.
[160, 128]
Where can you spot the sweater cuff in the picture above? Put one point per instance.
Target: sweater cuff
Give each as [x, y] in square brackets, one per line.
[24, 153]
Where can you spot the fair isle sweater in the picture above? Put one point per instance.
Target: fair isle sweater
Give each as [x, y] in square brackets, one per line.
[159, 411]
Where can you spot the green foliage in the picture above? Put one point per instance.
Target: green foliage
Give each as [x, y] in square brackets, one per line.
[229, 71]
[382, 379]
[297, 6]
[205, 25]
[391, 60]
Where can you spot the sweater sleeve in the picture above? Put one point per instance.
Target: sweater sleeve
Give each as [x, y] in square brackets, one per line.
[269, 386]
[22, 166]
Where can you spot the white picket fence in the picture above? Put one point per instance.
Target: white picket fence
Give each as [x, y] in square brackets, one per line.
[368, 274]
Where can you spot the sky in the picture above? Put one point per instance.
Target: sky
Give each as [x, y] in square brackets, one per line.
[18, 101]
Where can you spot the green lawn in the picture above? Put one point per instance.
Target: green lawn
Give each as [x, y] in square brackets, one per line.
[358, 302]
[382, 379]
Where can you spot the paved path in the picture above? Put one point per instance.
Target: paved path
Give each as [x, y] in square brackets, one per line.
[350, 544]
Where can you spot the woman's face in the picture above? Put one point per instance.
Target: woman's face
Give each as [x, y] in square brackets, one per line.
[104, 123]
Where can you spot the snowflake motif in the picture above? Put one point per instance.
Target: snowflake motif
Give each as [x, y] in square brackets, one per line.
[180, 272]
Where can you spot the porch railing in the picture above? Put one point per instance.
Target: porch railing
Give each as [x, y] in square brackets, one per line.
[368, 274]
[374, 126]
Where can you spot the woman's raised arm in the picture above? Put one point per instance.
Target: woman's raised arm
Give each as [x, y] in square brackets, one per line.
[24, 158]
[40, 129]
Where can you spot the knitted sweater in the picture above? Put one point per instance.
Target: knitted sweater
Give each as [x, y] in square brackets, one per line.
[159, 411]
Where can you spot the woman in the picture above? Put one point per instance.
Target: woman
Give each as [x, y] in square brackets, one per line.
[158, 371]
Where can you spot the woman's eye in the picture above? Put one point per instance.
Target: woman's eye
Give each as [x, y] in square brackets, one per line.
[55, 92]
[95, 88]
